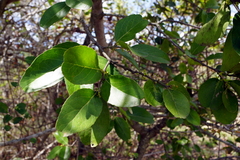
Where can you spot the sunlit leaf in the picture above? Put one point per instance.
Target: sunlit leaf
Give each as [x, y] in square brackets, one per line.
[176, 102]
[79, 4]
[110, 69]
[122, 128]
[60, 138]
[79, 112]
[140, 115]
[80, 65]
[153, 93]
[54, 152]
[66, 45]
[54, 14]
[127, 27]
[64, 153]
[45, 71]
[150, 53]
[121, 91]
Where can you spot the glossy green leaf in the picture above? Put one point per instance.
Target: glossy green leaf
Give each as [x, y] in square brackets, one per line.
[230, 101]
[214, 29]
[140, 115]
[224, 116]
[210, 93]
[121, 91]
[176, 102]
[54, 152]
[236, 86]
[128, 56]
[54, 14]
[79, 112]
[3, 107]
[127, 27]
[153, 93]
[236, 33]
[150, 53]
[79, 4]
[64, 153]
[60, 138]
[80, 65]
[45, 71]
[179, 87]
[194, 118]
[100, 127]
[230, 57]
[122, 128]
[66, 45]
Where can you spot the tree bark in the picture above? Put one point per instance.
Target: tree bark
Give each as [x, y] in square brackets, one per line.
[3, 4]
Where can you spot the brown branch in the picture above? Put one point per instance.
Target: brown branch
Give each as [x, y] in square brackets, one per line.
[15, 141]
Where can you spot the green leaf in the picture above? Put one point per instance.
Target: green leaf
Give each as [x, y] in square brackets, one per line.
[16, 120]
[14, 84]
[66, 45]
[54, 152]
[212, 4]
[45, 71]
[3, 107]
[110, 69]
[79, 4]
[121, 91]
[215, 56]
[210, 93]
[153, 93]
[64, 153]
[212, 30]
[71, 88]
[127, 27]
[236, 86]
[80, 65]
[79, 112]
[7, 127]
[179, 87]
[176, 102]
[85, 136]
[7, 118]
[60, 138]
[140, 115]
[29, 59]
[20, 108]
[54, 14]
[122, 128]
[224, 116]
[230, 101]
[230, 57]
[194, 118]
[236, 33]
[100, 127]
[150, 53]
[128, 56]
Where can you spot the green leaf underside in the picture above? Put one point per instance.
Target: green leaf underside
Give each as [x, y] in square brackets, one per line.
[194, 118]
[230, 101]
[211, 31]
[236, 33]
[230, 56]
[60, 138]
[153, 93]
[100, 127]
[210, 93]
[45, 71]
[80, 65]
[122, 128]
[128, 56]
[224, 116]
[150, 53]
[79, 4]
[127, 27]
[176, 103]
[79, 112]
[140, 115]
[124, 92]
[54, 14]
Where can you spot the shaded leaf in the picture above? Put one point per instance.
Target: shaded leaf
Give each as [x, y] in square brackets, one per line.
[7, 118]
[64, 153]
[224, 116]
[20, 108]
[210, 93]
[213, 4]
[211, 31]
[54, 152]
[140, 115]
[128, 56]
[127, 27]
[121, 91]
[179, 87]
[16, 120]
[79, 4]
[54, 14]
[150, 53]
[230, 101]
[110, 69]
[122, 128]
[80, 65]
[85, 136]
[153, 93]
[236, 86]
[66, 45]
[45, 71]
[79, 112]
[176, 103]
[236, 33]
[194, 118]
[3, 107]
